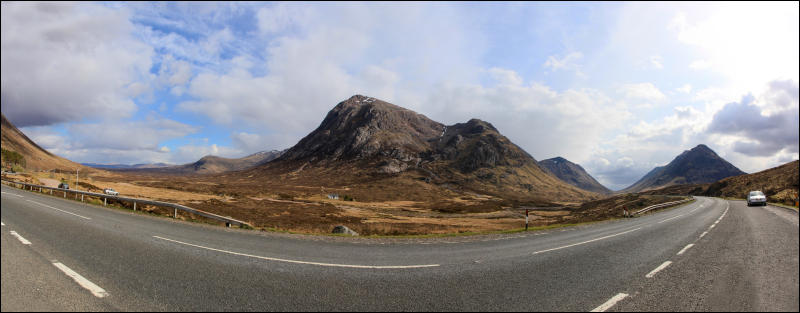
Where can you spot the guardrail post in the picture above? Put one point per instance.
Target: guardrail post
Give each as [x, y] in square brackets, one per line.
[134, 206]
[81, 197]
[176, 213]
[104, 201]
[65, 194]
[227, 224]
[51, 192]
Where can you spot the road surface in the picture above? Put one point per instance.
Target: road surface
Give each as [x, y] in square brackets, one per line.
[709, 255]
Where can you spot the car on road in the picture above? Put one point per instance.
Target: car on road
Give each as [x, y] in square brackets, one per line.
[63, 186]
[756, 198]
[110, 192]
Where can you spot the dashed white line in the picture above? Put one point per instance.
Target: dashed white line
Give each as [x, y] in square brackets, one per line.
[685, 248]
[588, 241]
[22, 240]
[303, 262]
[658, 269]
[13, 194]
[85, 283]
[610, 303]
[703, 234]
[674, 217]
[3, 224]
[57, 209]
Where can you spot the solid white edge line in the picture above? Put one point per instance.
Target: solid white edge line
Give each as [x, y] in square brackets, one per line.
[658, 269]
[610, 303]
[587, 241]
[13, 194]
[303, 262]
[57, 209]
[22, 240]
[685, 248]
[85, 283]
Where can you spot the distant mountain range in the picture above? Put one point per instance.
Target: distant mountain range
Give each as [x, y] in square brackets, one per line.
[363, 139]
[206, 165]
[573, 174]
[128, 166]
[696, 166]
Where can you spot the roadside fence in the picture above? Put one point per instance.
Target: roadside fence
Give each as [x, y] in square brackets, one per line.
[227, 220]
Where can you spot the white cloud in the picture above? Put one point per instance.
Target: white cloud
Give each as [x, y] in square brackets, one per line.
[568, 63]
[760, 133]
[642, 94]
[699, 65]
[656, 62]
[686, 88]
[544, 122]
[174, 72]
[81, 57]
[749, 43]
[505, 77]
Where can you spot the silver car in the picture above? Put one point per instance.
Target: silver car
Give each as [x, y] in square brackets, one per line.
[756, 198]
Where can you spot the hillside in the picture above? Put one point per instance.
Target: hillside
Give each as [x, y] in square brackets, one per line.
[573, 174]
[36, 158]
[379, 147]
[696, 166]
[780, 184]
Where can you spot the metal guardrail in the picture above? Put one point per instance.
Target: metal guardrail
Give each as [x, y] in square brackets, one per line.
[228, 221]
[655, 206]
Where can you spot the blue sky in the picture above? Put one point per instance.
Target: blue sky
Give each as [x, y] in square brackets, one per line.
[616, 87]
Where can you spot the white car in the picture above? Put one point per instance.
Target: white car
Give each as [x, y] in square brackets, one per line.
[756, 198]
[110, 192]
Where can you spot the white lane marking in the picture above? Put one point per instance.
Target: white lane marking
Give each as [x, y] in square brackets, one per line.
[703, 234]
[670, 218]
[658, 269]
[22, 240]
[611, 302]
[588, 241]
[13, 194]
[302, 262]
[685, 248]
[3, 224]
[85, 283]
[57, 209]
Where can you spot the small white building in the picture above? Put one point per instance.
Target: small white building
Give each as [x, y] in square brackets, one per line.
[333, 196]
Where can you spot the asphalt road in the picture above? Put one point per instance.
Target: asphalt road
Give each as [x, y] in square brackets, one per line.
[741, 259]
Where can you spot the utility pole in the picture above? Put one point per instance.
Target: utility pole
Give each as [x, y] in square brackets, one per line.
[76, 178]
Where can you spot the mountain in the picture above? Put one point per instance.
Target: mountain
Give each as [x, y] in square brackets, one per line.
[208, 164]
[696, 166]
[127, 166]
[573, 174]
[35, 157]
[394, 151]
[779, 184]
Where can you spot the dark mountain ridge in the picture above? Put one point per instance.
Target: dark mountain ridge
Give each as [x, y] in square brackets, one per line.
[378, 140]
[696, 166]
[573, 174]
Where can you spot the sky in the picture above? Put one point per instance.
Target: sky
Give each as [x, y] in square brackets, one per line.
[618, 88]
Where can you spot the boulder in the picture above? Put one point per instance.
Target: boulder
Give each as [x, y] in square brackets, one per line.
[340, 229]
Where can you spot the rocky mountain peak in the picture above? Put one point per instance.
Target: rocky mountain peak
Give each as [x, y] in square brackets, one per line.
[362, 127]
[573, 174]
[698, 165]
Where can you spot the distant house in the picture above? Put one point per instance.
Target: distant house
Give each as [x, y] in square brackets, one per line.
[333, 196]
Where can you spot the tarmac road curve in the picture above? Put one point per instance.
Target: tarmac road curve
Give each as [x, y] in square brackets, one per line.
[708, 255]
